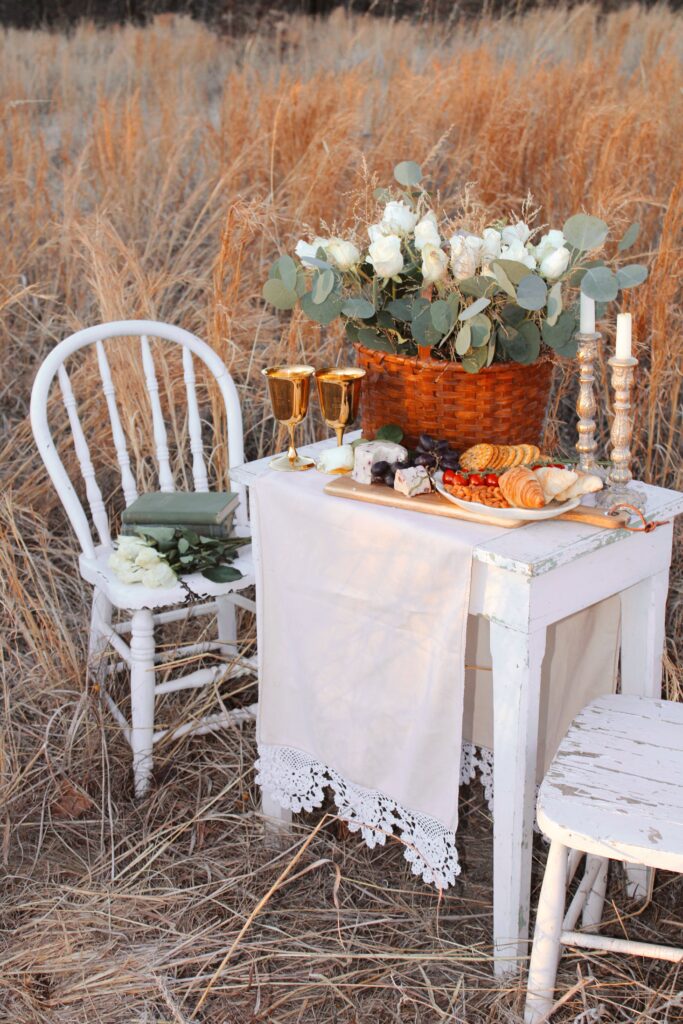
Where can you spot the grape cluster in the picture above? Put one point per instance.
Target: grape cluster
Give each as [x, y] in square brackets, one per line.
[430, 453]
[434, 454]
[385, 472]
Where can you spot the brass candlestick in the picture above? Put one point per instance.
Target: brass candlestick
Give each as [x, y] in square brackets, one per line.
[586, 446]
[620, 474]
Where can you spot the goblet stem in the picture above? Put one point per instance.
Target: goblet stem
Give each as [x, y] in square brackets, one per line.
[292, 454]
[339, 431]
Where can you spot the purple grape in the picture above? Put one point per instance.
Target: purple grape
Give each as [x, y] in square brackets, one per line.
[379, 468]
[426, 443]
[426, 459]
[389, 477]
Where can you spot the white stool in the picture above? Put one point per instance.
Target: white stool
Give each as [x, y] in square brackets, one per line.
[614, 792]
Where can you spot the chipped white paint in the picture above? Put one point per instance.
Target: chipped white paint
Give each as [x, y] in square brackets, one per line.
[523, 581]
[614, 791]
[109, 593]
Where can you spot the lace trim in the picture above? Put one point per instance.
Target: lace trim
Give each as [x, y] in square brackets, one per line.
[298, 781]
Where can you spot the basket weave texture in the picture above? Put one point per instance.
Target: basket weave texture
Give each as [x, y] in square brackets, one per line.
[505, 403]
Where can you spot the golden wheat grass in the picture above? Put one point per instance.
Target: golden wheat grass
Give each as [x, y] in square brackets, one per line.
[155, 173]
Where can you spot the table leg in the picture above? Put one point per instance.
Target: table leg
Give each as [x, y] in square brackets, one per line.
[516, 661]
[642, 644]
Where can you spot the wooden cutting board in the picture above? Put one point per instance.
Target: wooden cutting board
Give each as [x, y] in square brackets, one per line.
[436, 505]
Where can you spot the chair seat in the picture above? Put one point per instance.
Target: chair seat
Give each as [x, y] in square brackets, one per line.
[132, 596]
[615, 786]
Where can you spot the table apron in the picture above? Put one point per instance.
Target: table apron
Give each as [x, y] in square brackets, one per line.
[527, 603]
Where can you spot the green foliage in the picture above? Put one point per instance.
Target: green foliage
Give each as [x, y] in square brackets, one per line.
[477, 287]
[463, 339]
[361, 308]
[389, 432]
[630, 276]
[408, 173]
[474, 360]
[480, 330]
[584, 232]
[374, 339]
[423, 328]
[475, 308]
[322, 312]
[278, 294]
[442, 316]
[560, 336]
[629, 237]
[514, 271]
[187, 551]
[323, 284]
[532, 292]
[401, 309]
[600, 283]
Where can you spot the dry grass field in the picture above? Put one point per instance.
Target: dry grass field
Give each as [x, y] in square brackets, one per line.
[155, 173]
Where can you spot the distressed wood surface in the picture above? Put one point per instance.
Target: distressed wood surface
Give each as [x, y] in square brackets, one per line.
[615, 786]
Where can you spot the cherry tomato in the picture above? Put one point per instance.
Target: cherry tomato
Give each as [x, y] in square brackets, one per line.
[459, 479]
[557, 465]
[448, 475]
[491, 480]
[539, 465]
[476, 480]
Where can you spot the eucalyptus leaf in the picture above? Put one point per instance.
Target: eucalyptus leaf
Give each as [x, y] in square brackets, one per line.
[513, 270]
[442, 316]
[584, 232]
[160, 534]
[475, 360]
[475, 308]
[600, 283]
[532, 292]
[278, 294]
[491, 351]
[559, 334]
[323, 312]
[375, 340]
[419, 305]
[389, 432]
[315, 261]
[503, 280]
[568, 350]
[554, 303]
[454, 302]
[408, 173]
[322, 286]
[301, 283]
[382, 194]
[463, 338]
[629, 237]
[480, 326]
[183, 546]
[423, 329]
[632, 275]
[286, 270]
[578, 273]
[512, 314]
[401, 309]
[385, 319]
[477, 286]
[222, 574]
[358, 307]
[351, 331]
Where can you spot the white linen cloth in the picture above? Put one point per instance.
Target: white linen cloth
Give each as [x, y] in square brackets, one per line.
[362, 625]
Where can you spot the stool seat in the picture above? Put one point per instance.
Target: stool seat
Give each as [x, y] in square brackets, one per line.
[615, 786]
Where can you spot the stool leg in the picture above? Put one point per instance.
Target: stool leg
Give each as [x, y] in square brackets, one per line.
[592, 908]
[545, 954]
[227, 625]
[142, 698]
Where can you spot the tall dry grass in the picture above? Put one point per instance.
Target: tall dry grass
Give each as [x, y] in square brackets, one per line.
[155, 173]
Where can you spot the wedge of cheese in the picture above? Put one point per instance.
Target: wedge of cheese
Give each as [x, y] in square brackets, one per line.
[412, 480]
[370, 452]
[336, 460]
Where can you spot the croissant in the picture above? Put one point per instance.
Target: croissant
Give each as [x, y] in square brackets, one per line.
[521, 488]
[554, 481]
[586, 483]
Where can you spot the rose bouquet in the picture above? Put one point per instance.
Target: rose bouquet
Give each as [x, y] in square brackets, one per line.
[418, 286]
[158, 555]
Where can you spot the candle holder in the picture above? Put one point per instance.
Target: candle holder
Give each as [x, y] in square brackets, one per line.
[587, 445]
[620, 474]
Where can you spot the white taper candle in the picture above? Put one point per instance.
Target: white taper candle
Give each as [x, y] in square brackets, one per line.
[587, 317]
[623, 336]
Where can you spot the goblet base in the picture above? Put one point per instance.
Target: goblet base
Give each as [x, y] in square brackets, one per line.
[621, 495]
[287, 465]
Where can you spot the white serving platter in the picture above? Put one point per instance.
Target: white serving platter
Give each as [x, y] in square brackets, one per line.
[528, 515]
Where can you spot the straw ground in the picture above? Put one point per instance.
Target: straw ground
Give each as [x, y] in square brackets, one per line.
[155, 173]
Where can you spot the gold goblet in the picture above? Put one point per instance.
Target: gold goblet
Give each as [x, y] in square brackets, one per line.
[290, 388]
[339, 394]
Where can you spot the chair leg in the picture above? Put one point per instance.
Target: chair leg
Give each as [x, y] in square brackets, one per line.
[592, 909]
[100, 618]
[545, 954]
[142, 679]
[227, 625]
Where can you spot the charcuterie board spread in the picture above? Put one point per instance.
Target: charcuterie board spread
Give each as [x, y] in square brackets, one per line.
[503, 484]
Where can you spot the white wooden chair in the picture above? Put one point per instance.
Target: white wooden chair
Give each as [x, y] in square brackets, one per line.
[146, 605]
[614, 791]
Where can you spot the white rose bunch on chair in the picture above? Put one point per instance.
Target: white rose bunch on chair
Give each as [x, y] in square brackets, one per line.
[137, 561]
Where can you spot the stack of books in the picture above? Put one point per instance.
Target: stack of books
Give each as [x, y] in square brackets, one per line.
[209, 513]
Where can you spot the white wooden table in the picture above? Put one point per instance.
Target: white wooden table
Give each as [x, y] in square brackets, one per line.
[523, 581]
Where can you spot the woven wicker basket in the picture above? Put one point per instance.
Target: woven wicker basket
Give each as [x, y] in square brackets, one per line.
[505, 403]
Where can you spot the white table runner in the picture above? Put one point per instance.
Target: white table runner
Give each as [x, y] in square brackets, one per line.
[363, 616]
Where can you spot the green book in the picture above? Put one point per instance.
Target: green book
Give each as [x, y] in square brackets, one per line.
[189, 508]
[218, 530]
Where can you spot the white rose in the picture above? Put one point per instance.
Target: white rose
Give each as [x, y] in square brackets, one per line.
[516, 232]
[434, 263]
[343, 254]
[515, 251]
[147, 558]
[551, 241]
[309, 250]
[555, 263]
[160, 575]
[375, 232]
[398, 219]
[124, 569]
[465, 255]
[386, 257]
[426, 231]
[129, 546]
[491, 247]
